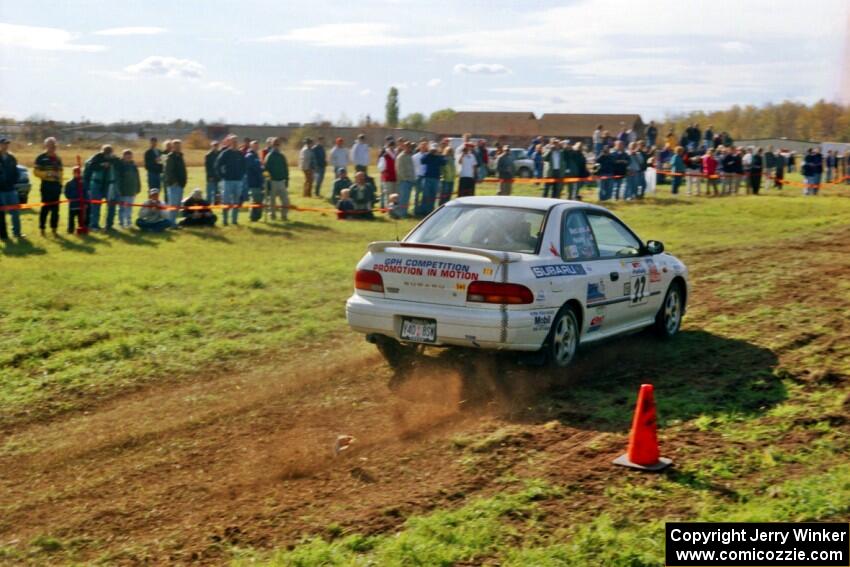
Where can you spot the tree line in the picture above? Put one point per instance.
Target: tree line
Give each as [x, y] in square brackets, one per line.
[821, 122]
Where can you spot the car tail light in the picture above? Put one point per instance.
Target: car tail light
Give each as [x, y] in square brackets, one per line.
[502, 293]
[368, 280]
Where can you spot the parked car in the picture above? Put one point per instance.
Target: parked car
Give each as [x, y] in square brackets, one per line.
[523, 165]
[517, 274]
[23, 185]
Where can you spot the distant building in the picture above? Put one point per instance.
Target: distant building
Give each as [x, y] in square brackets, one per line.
[580, 127]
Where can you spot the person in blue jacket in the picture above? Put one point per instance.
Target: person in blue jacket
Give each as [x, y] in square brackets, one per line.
[230, 165]
[605, 171]
[677, 168]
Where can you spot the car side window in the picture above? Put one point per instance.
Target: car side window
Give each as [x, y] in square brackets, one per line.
[577, 239]
[613, 239]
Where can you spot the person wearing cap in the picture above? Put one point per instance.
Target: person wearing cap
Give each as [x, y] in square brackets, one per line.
[128, 185]
[77, 195]
[341, 182]
[230, 166]
[505, 170]
[305, 162]
[209, 168]
[338, 155]
[152, 216]
[278, 171]
[153, 164]
[386, 166]
[196, 211]
[97, 175]
[405, 177]
[175, 177]
[8, 193]
[432, 163]
[320, 164]
[48, 168]
[360, 154]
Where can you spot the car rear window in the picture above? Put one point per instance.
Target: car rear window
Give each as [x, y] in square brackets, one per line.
[505, 229]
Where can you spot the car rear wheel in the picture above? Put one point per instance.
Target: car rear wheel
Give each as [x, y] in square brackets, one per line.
[562, 343]
[669, 317]
[397, 355]
[525, 173]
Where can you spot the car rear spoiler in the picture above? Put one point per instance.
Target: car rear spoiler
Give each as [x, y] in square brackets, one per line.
[492, 255]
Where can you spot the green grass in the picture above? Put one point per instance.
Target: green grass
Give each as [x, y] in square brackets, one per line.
[491, 527]
[83, 318]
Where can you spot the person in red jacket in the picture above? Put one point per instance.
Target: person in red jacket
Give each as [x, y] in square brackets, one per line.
[709, 169]
[386, 165]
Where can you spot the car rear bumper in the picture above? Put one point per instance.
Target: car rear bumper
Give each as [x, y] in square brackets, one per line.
[456, 325]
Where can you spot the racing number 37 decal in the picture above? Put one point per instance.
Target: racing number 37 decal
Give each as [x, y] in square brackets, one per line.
[637, 285]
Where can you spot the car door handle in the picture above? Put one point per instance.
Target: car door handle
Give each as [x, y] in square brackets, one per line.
[615, 276]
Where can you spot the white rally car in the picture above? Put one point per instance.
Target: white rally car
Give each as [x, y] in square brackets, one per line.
[515, 273]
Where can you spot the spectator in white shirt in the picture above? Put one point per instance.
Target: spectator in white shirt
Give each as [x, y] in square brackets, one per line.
[339, 156]
[360, 154]
[467, 164]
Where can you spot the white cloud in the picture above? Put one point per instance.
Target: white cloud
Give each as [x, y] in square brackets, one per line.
[133, 30]
[45, 39]
[326, 83]
[167, 67]
[222, 86]
[735, 46]
[481, 69]
[365, 92]
[434, 83]
[363, 34]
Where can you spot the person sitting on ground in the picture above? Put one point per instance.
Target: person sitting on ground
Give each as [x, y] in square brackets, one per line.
[194, 216]
[152, 217]
[342, 182]
[345, 206]
[393, 208]
[362, 194]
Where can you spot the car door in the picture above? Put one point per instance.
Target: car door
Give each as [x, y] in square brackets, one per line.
[602, 281]
[622, 279]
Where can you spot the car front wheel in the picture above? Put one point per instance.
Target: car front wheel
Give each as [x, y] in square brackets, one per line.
[669, 317]
[562, 344]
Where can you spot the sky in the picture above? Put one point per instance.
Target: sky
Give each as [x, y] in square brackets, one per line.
[252, 61]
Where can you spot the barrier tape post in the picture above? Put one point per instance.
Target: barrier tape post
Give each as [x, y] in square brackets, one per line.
[83, 228]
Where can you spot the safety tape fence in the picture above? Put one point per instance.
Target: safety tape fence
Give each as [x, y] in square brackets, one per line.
[165, 207]
[720, 176]
[26, 206]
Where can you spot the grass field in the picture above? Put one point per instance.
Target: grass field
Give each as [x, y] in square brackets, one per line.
[121, 328]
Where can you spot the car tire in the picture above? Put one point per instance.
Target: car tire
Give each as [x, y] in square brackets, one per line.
[525, 173]
[668, 320]
[563, 340]
[398, 356]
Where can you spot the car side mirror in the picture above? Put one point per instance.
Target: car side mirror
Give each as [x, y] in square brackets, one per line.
[654, 247]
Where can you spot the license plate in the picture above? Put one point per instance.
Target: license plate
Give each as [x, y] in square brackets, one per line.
[419, 330]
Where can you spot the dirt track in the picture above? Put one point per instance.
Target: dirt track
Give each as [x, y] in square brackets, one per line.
[177, 473]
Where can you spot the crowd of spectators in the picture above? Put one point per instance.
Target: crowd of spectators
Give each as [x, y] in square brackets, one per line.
[411, 177]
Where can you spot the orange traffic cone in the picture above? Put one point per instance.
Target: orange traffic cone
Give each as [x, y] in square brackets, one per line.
[643, 442]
